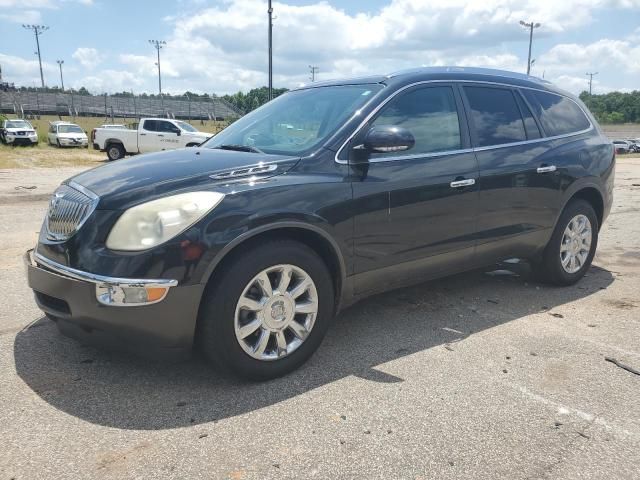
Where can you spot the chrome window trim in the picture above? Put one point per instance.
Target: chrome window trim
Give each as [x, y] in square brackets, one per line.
[468, 150]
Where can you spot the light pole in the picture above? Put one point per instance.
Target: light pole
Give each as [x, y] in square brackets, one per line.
[590, 75]
[270, 12]
[157, 44]
[37, 31]
[60, 62]
[530, 26]
[314, 71]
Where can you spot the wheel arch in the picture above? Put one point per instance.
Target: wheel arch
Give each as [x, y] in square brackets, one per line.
[591, 193]
[110, 141]
[313, 236]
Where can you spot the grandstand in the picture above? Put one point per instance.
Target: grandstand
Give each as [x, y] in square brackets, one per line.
[22, 103]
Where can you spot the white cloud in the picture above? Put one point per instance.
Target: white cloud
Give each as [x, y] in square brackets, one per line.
[87, 57]
[223, 48]
[109, 81]
[22, 16]
[25, 72]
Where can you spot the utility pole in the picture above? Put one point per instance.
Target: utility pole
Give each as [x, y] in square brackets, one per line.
[314, 71]
[590, 75]
[530, 26]
[60, 62]
[270, 12]
[157, 44]
[37, 31]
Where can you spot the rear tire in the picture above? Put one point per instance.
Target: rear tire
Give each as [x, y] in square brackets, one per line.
[569, 253]
[223, 316]
[115, 151]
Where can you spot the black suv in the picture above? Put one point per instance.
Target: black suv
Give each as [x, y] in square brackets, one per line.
[250, 244]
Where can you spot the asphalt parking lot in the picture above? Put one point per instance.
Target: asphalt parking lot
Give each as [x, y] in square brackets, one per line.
[484, 375]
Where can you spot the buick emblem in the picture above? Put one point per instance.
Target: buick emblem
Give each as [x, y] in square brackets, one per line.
[278, 311]
[56, 199]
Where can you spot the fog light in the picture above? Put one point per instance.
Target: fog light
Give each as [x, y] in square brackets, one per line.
[130, 295]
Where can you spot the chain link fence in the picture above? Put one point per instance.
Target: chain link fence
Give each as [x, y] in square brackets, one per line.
[33, 104]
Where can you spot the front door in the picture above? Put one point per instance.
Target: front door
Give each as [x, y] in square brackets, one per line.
[415, 210]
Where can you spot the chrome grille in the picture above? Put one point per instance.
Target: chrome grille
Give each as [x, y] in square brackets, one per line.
[68, 209]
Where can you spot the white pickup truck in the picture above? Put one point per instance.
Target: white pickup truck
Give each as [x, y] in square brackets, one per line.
[148, 135]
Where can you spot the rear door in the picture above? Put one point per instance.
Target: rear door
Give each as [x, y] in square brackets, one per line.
[415, 210]
[519, 187]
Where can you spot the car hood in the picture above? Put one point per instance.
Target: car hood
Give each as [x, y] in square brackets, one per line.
[127, 182]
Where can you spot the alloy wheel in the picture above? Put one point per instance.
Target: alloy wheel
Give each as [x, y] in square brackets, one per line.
[276, 312]
[576, 244]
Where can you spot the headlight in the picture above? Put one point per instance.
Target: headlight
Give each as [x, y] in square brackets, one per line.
[152, 223]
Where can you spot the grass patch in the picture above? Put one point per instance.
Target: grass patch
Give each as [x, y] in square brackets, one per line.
[43, 155]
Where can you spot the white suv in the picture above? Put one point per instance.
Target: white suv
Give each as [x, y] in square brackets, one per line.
[18, 132]
[65, 134]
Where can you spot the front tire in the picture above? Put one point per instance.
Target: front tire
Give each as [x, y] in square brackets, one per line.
[267, 310]
[569, 253]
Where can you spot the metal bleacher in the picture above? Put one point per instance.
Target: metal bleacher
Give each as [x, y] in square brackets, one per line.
[24, 103]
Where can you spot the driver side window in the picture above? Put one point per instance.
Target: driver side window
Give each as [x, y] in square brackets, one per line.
[430, 114]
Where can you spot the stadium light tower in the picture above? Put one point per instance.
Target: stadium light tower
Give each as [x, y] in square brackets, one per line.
[60, 62]
[270, 12]
[530, 26]
[158, 44]
[313, 70]
[37, 31]
[590, 75]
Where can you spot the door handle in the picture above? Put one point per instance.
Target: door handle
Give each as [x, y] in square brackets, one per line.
[463, 183]
[142, 134]
[546, 169]
[160, 135]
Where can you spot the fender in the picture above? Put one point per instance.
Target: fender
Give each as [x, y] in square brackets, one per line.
[112, 140]
[270, 227]
[576, 186]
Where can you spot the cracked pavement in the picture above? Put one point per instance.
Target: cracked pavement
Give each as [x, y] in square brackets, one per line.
[475, 376]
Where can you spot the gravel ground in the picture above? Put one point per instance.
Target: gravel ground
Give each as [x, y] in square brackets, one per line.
[476, 376]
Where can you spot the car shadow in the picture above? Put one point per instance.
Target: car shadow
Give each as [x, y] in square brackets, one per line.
[121, 391]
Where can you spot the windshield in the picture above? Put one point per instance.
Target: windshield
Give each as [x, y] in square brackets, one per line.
[186, 127]
[69, 129]
[296, 122]
[18, 124]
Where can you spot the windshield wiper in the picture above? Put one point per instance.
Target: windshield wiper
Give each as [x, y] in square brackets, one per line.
[239, 148]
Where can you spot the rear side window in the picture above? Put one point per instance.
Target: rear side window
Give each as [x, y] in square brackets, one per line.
[558, 115]
[430, 114]
[151, 125]
[495, 116]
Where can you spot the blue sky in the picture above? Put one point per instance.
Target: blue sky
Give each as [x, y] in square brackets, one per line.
[221, 46]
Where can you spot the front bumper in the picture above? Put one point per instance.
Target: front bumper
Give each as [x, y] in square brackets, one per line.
[21, 139]
[67, 142]
[162, 330]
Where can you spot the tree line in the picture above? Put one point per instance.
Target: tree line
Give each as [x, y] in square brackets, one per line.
[614, 107]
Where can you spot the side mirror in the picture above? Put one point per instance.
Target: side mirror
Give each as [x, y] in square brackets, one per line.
[178, 132]
[388, 138]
